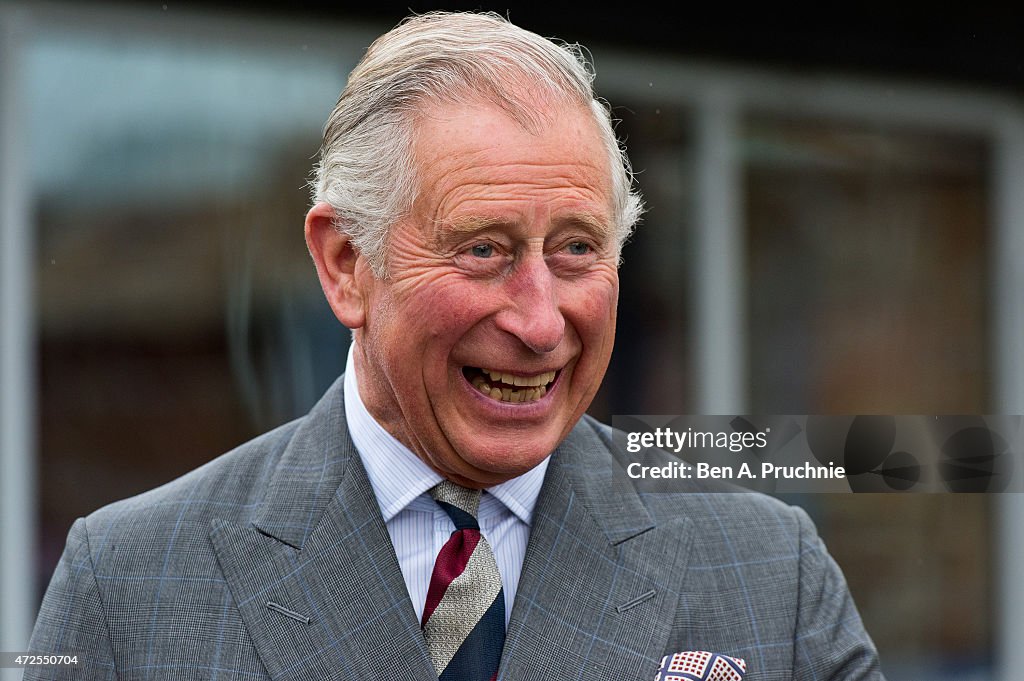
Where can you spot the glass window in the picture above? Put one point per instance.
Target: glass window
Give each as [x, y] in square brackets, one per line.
[867, 262]
[178, 310]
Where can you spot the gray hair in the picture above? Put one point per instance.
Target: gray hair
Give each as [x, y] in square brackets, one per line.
[366, 169]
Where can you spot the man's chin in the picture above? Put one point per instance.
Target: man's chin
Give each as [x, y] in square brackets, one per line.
[501, 461]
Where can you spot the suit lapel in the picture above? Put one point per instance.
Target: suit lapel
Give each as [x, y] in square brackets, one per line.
[315, 576]
[600, 580]
[322, 596]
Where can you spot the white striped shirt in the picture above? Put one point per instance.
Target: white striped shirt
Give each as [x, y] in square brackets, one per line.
[417, 525]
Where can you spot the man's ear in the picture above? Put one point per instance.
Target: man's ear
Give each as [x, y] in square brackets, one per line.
[335, 259]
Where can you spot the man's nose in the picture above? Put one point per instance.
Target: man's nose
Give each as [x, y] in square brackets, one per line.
[532, 314]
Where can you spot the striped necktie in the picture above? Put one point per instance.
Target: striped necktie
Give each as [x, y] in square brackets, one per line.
[464, 616]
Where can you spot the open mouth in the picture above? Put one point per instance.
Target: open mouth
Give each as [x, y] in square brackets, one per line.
[505, 387]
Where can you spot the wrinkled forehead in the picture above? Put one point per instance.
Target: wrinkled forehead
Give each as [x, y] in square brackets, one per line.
[478, 140]
[479, 170]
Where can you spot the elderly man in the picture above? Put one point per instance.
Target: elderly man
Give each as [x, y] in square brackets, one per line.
[471, 204]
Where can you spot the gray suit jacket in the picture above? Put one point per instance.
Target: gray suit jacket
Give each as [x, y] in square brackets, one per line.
[273, 562]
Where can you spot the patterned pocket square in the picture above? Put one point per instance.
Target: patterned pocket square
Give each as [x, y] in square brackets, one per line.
[700, 665]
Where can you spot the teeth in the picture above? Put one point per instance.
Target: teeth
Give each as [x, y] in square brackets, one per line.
[531, 388]
[510, 379]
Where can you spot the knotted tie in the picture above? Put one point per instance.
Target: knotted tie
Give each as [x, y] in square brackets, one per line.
[464, 617]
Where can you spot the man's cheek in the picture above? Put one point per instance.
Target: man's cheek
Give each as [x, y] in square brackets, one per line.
[596, 311]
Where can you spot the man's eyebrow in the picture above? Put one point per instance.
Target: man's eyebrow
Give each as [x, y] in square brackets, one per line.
[591, 223]
[473, 223]
[448, 231]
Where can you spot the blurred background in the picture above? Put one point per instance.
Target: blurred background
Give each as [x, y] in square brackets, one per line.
[835, 225]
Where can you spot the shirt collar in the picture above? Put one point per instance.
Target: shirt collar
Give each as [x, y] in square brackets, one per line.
[399, 477]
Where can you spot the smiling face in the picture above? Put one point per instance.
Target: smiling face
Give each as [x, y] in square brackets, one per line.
[489, 337]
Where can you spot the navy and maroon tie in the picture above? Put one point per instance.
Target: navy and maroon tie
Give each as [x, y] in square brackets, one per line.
[464, 616]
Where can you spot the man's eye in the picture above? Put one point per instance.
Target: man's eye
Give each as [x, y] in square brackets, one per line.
[482, 250]
[579, 248]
